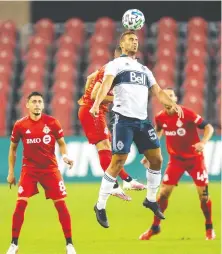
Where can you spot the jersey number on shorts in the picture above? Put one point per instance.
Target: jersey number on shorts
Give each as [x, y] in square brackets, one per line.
[62, 187]
[152, 134]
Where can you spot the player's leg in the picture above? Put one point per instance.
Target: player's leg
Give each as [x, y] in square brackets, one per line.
[121, 142]
[199, 174]
[148, 144]
[27, 187]
[173, 173]
[55, 189]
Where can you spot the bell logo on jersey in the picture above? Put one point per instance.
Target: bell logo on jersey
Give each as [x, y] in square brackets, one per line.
[138, 78]
[33, 140]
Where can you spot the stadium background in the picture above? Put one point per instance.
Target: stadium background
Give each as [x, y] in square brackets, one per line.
[55, 55]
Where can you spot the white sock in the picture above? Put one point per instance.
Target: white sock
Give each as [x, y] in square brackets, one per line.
[153, 183]
[106, 187]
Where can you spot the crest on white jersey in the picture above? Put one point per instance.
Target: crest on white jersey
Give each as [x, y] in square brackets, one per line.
[46, 129]
[179, 123]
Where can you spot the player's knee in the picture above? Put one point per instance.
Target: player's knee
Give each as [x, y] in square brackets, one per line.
[156, 162]
[118, 164]
[203, 198]
[164, 195]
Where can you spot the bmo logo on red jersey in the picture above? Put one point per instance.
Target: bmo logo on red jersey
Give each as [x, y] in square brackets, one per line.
[33, 140]
[46, 140]
[180, 132]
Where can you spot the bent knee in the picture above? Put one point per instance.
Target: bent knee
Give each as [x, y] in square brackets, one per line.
[156, 161]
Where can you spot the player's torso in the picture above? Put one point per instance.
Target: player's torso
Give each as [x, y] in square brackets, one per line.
[130, 88]
[180, 134]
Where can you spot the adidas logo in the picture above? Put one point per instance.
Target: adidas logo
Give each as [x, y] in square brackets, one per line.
[28, 131]
[164, 125]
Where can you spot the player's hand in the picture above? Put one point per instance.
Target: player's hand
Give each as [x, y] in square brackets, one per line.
[11, 179]
[179, 110]
[94, 111]
[145, 162]
[199, 147]
[68, 162]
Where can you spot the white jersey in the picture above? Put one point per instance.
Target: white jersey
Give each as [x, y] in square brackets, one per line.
[130, 86]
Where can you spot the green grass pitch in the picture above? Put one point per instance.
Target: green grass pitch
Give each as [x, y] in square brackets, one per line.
[182, 232]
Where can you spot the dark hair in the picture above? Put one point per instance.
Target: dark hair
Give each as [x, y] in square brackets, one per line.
[118, 48]
[126, 33]
[34, 94]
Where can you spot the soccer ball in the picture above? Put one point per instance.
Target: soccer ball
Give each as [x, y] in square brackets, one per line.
[133, 19]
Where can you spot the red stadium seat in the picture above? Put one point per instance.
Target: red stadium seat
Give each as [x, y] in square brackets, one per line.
[197, 24]
[194, 101]
[195, 69]
[65, 72]
[34, 71]
[99, 53]
[93, 67]
[164, 68]
[7, 42]
[156, 106]
[45, 28]
[5, 71]
[6, 56]
[164, 81]
[74, 25]
[196, 53]
[68, 41]
[30, 85]
[167, 39]
[166, 53]
[100, 39]
[193, 84]
[36, 56]
[63, 87]
[8, 28]
[4, 87]
[38, 42]
[104, 24]
[66, 56]
[197, 39]
[167, 24]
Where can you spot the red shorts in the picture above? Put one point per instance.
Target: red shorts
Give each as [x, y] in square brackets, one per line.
[95, 129]
[51, 181]
[195, 167]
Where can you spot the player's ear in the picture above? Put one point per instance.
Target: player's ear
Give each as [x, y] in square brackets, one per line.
[176, 98]
[27, 104]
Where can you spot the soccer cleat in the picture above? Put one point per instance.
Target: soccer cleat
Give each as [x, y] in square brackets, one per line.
[210, 234]
[153, 206]
[13, 249]
[118, 192]
[149, 233]
[133, 185]
[101, 217]
[70, 249]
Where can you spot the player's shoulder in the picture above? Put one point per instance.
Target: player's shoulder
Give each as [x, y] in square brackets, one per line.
[49, 119]
[22, 120]
[188, 111]
[160, 114]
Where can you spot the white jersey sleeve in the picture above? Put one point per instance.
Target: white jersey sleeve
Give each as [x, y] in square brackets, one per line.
[151, 79]
[111, 69]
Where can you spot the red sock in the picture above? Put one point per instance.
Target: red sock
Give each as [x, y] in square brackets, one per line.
[207, 211]
[163, 203]
[18, 218]
[64, 218]
[105, 157]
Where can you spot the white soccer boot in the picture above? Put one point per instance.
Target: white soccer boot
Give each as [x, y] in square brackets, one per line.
[70, 249]
[133, 185]
[118, 192]
[13, 249]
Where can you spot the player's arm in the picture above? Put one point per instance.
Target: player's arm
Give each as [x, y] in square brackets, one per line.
[108, 98]
[102, 92]
[64, 152]
[159, 131]
[11, 163]
[208, 132]
[165, 99]
[90, 78]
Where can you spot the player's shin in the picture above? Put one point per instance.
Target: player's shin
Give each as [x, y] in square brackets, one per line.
[18, 219]
[207, 211]
[163, 203]
[65, 220]
[106, 187]
[153, 183]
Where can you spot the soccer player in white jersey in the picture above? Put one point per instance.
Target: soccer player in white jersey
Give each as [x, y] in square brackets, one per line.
[131, 81]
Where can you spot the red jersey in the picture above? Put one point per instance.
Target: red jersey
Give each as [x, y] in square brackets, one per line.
[38, 138]
[86, 98]
[181, 133]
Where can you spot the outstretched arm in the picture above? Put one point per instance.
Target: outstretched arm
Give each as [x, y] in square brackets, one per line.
[108, 98]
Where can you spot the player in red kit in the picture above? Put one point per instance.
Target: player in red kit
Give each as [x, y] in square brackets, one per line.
[97, 132]
[39, 133]
[186, 155]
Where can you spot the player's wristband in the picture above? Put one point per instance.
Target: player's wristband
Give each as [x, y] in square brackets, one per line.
[65, 156]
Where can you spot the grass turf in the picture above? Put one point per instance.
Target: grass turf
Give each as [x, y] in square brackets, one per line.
[183, 231]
